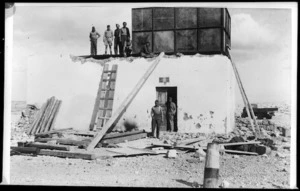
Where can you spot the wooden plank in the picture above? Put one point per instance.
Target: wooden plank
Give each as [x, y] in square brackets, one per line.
[37, 118]
[191, 141]
[49, 146]
[115, 135]
[45, 115]
[240, 152]
[28, 150]
[175, 147]
[48, 115]
[42, 111]
[55, 116]
[63, 141]
[127, 151]
[240, 143]
[118, 114]
[144, 150]
[68, 154]
[97, 101]
[52, 115]
[123, 139]
[52, 132]
[244, 96]
[234, 151]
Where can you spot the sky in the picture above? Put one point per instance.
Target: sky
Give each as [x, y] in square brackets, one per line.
[261, 42]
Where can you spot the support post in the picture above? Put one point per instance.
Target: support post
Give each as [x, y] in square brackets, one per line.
[211, 171]
[244, 96]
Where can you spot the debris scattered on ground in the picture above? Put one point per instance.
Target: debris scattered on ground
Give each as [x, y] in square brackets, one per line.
[225, 184]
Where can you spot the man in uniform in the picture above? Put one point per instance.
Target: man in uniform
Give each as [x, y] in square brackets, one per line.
[94, 35]
[157, 119]
[124, 36]
[117, 40]
[171, 110]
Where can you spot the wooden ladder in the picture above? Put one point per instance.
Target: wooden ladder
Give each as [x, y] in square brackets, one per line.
[104, 101]
[122, 108]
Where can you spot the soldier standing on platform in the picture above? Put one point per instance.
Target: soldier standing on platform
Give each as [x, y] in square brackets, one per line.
[94, 35]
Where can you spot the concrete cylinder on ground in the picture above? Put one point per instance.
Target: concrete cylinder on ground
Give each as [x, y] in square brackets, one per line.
[211, 171]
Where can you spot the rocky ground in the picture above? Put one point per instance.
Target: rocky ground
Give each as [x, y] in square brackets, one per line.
[186, 170]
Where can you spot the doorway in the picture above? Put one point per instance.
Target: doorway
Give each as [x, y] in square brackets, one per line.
[162, 95]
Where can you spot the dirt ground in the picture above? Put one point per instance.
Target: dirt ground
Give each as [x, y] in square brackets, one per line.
[184, 171]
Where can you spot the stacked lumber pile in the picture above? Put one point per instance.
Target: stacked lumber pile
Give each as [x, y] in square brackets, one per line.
[45, 118]
[68, 143]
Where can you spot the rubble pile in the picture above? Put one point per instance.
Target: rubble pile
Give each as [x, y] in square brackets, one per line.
[22, 123]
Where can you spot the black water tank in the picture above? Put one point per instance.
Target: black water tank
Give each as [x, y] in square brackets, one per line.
[181, 29]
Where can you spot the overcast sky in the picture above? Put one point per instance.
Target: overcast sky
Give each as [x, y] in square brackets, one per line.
[261, 42]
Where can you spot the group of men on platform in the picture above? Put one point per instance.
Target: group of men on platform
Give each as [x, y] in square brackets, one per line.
[121, 40]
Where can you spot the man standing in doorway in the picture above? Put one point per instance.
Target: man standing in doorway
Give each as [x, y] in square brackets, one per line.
[124, 36]
[108, 38]
[94, 35]
[157, 119]
[117, 42]
[171, 110]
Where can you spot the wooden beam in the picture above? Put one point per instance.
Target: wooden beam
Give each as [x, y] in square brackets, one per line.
[49, 146]
[115, 135]
[88, 133]
[119, 112]
[51, 116]
[39, 128]
[243, 93]
[240, 143]
[48, 115]
[28, 150]
[55, 115]
[175, 147]
[63, 141]
[39, 118]
[67, 154]
[191, 141]
[52, 132]
[240, 152]
[123, 139]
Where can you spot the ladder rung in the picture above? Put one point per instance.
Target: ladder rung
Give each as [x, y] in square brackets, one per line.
[110, 71]
[106, 98]
[105, 80]
[102, 108]
[108, 89]
[103, 117]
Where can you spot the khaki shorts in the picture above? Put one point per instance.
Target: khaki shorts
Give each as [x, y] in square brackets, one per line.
[107, 41]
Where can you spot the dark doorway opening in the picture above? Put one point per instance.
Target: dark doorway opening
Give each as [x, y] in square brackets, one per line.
[162, 95]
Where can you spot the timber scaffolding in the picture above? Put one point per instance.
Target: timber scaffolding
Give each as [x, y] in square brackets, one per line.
[91, 145]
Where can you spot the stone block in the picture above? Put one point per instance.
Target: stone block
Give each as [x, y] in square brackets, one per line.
[172, 153]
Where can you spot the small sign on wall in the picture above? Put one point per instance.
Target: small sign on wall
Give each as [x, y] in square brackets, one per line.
[164, 80]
